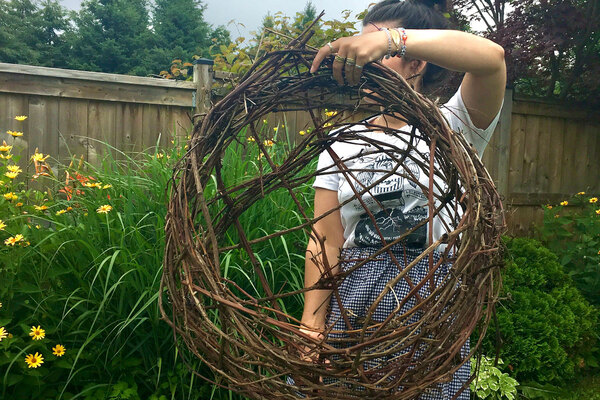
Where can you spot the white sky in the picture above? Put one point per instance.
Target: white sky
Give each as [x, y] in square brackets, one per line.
[251, 12]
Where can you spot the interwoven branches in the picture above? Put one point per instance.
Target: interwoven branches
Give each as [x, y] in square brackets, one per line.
[244, 331]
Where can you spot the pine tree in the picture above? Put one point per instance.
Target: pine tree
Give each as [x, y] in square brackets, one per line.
[111, 36]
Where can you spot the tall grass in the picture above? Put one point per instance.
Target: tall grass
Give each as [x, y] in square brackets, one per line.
[91, 280]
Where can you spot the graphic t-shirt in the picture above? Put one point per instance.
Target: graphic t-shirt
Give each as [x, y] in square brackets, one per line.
[395, 200]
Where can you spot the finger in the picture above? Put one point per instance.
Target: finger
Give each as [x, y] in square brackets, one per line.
[321, 54]
[338, 66]
[358, 69]
[349, 68]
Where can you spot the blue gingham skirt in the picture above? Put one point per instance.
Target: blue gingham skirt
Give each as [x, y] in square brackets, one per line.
[359, 290]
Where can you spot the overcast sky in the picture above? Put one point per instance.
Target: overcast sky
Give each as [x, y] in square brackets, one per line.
[251, 12]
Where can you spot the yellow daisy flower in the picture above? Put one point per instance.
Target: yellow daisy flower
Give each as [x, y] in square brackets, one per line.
[69, 208]
[2, 226]
[327, 125]
[104, 209]
[598, 211]
[11, 175]
[580, 193]
[21, 117]
[159, 155]
[107, 186]
[3, 333]
[14, 168]
[14, 133]
[34, 361]
[268, 143]
[11, 241]
[564, 203]
[5, 147]
[39, 157]
[37, 333]
[41, 208]
[19, 204]
[594, 200]
[10, 196]
[58, 350]
[60, 212]
[251, 139]
[548, 206]
[6, 157]
[330, 113]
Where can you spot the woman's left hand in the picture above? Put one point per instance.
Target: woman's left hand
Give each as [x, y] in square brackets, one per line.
[352, 53]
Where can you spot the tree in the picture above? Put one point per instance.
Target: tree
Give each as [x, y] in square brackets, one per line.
[553, 48]
[111, 36]
[19, 21]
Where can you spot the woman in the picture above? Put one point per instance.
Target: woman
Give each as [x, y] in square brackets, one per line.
[474, 110]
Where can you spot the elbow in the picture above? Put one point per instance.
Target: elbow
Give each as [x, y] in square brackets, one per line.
[499, 55]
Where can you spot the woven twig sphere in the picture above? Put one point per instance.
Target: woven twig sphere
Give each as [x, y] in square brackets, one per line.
[246, 331]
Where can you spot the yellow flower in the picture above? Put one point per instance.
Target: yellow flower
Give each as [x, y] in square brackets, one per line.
[37, 333]
[2, 226]
[269, 143]
[264, 121]
[34, 361]
[251, 139]
[107, 186]
[564, 203]
[330, 113]
[549, 207]
[5, 147]
[19, 204]
[302, 133]
[276, 128]
[556, 216]
[598, 211]
[580, 193]
[59, 212]
[39, 157]
[11, 175]
[327, 124]
[11, 241]
[14, 133]
[21, 117]
[58, 350]
[41, 208]
[599, 252]
[14, 168]
[6, 157]
[593, 200]
[3, 333]
[0, 305]
[282, 125]
[10, 196]
[37, 227]
[104, 209]
[159, 155]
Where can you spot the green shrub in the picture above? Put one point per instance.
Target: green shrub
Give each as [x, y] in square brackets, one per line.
[547, 327]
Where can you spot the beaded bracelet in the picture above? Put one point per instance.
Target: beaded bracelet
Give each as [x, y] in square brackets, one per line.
[389, 52]
[403, 36]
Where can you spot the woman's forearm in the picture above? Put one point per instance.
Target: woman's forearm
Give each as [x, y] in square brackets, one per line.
[455, 50]
[317, 301]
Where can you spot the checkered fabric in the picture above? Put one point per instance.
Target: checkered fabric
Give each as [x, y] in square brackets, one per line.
[360, 289]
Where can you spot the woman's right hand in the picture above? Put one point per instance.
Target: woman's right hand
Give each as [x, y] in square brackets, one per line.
[310, 353]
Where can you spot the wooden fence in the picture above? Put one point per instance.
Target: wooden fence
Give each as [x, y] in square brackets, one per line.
[540, 153]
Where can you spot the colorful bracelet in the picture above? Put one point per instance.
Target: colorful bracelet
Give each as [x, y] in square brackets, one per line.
[404, 37]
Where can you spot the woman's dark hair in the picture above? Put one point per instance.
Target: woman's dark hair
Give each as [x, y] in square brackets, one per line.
[414, 14]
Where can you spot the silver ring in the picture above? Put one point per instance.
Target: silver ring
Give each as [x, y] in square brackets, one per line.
[330, 47]
[339, 58]
[350, 61]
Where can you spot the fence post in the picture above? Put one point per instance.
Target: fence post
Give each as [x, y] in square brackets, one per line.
[203, 78]
[504, 143]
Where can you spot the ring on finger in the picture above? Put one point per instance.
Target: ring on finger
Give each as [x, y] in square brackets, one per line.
[339, 58]
[350, 61]
[331, 47]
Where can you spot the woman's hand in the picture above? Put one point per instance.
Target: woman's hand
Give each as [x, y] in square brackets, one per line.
[353, 53]
[310, 353]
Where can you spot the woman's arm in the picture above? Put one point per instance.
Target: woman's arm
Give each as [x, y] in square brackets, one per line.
[481, 59]
[329, 228]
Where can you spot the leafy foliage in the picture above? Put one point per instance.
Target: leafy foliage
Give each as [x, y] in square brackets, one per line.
[573, 233]
[548, 330]
[491, 383]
